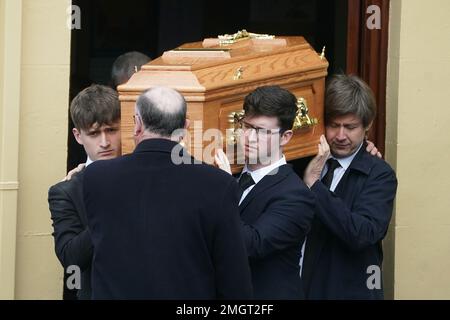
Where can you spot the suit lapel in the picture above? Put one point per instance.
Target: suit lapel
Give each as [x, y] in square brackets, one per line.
[318, 234]
[315, 241]
[268, 181]
[361, 163]
[79, 198]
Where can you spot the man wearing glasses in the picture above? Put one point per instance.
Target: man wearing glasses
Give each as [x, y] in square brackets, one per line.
[276, 207]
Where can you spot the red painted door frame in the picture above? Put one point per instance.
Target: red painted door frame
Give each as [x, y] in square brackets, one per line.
[367, 52]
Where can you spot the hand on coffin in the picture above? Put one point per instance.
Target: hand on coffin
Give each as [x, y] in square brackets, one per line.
[221, 161]
[315, 166]
[73, 171]
[372, 149]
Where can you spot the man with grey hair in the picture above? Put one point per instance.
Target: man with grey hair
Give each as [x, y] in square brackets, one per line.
[162, 230]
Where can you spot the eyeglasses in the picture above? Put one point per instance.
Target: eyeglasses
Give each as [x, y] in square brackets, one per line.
[246, 127]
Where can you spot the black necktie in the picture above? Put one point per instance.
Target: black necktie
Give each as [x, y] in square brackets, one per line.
[328, 177]
[246, 181]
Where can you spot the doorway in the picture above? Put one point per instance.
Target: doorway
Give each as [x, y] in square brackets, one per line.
[109, 29]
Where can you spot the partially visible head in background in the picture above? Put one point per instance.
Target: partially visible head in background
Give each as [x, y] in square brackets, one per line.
[125, 66]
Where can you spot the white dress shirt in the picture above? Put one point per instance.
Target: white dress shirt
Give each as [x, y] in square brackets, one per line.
[339, 172]
[259, 174]
[88, 161]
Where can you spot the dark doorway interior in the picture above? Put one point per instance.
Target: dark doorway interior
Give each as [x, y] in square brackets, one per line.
[109, 29]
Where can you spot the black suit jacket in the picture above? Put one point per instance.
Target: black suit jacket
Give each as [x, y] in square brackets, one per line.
[350, 223]
[73, 244]
[276, 215]
[162, 230]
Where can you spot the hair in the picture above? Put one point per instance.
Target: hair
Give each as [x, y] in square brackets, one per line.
[124, 67]
[162, 110]
[272, 101]
[348, 94]
[96, 104]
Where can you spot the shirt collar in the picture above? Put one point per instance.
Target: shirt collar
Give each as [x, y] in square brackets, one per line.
[259, 174]
[88, 161]
[345, 162]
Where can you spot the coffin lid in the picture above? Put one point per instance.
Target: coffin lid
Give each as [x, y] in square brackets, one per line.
[202, 67]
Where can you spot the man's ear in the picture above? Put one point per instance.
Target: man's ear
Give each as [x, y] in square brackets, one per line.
[368, 128]
[77, 135]
[187, 123]
[286, 137]
[138, 127]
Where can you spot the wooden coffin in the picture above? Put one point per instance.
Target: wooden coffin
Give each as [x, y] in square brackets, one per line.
[214, 78]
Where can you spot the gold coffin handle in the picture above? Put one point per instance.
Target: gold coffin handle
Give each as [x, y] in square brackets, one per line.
[232, 135]
[303, 120]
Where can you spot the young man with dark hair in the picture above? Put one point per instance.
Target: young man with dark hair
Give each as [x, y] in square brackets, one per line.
[276, 207]
[95, 112]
